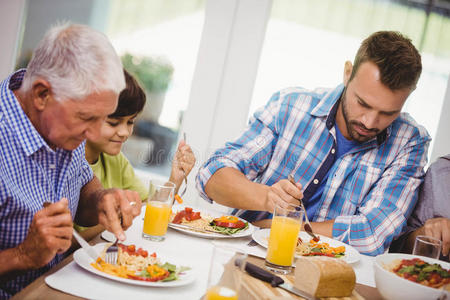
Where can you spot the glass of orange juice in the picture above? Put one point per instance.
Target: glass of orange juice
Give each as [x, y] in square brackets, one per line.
[286, 224]
[225, 275]
[158, 209]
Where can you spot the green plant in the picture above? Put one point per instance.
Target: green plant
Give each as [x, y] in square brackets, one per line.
[154, 74]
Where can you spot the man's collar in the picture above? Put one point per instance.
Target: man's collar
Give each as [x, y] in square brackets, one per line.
[327, 103]
[29, 138]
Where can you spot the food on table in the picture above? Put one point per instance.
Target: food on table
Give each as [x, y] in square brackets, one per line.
[313, 248]
[137, 264]
[282, 240]
[186, 215]
[417, 270]
[225, 224]
[324, 276]
[228, 224]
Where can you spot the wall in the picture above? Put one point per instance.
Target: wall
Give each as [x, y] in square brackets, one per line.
[38, 14]
[10, 24]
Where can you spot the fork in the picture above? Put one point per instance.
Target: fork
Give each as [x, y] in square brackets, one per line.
[307, 226]
[184, 173]
[111, 253]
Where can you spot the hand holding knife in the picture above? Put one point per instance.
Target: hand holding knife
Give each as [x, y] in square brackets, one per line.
[88, 248]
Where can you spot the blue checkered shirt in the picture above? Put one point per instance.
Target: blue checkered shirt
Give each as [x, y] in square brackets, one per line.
[369, 192]
[31, 173]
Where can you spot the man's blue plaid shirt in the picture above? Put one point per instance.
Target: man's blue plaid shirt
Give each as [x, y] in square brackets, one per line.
[369, 192]
[31, 173]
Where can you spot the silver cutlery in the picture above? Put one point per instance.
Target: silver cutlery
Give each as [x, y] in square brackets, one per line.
[184, 173]
[187, 227]
[274, 280]
[111, 254]
[307, 225]
[86, 247]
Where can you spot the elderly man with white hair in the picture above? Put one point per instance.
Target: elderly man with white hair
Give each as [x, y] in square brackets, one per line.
[70, 86]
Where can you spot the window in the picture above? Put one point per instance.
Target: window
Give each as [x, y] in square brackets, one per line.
[307, 43]
[158, 38]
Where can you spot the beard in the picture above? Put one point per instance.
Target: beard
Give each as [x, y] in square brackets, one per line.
[352, 124]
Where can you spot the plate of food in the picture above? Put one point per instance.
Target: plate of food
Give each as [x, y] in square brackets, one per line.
[306, 246]
[200, 223]
[406, 276]
[137, 266]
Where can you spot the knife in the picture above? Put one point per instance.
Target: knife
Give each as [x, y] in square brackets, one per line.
[203, 230]
[86, 247]
[274, 280]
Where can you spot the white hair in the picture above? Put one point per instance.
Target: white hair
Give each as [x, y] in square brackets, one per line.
[77, 61]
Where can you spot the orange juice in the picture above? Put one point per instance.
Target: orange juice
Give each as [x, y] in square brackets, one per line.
[283, 240]
[156, 218]
[221, 293]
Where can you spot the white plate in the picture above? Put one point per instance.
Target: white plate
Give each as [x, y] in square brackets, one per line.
[247, 232]
[83, 260]
[351, 254]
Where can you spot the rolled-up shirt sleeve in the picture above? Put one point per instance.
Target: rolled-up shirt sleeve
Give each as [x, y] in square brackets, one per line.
[251, 152]
[384, 211]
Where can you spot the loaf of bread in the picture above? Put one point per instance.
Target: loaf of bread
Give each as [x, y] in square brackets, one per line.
[324, 276]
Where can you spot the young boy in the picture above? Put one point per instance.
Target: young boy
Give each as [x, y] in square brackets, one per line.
[104, 154]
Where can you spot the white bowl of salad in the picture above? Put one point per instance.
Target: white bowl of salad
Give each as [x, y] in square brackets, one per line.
[405, 276]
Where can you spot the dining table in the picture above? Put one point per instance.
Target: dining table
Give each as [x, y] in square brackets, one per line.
[68, 280]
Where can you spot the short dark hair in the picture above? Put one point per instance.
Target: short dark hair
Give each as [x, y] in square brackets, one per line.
[131, 99]
[396, 57]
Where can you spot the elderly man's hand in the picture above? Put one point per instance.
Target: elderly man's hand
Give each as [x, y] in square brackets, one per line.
[117, 209]
[439, 228]
[50, 233]
[285, 194]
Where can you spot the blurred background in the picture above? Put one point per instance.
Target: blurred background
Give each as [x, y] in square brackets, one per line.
[207, 65]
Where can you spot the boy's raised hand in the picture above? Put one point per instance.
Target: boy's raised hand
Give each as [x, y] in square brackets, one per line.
[182, 164]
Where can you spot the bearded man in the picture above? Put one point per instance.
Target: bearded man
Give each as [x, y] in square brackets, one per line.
[356, 159]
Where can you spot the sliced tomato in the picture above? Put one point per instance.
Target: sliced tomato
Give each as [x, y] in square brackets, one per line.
[142, 252]
[179, 217]
[131, 248]
[238, 224]
[228, 219]
[229, 222]
[196, 216]
[187, 214]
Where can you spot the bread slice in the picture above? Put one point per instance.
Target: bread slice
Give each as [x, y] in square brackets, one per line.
[324, 276]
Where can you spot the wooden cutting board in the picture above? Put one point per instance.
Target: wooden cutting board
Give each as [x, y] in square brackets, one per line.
[255, 289]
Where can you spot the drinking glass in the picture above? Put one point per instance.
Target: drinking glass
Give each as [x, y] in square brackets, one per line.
[158, 209]
[286, 224]
[225, 275]
[427, 246]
